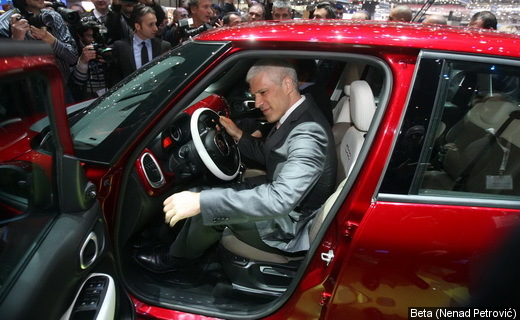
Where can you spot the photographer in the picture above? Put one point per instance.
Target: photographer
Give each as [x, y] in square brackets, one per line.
[31, 21]
[88, 77]
[201, 16]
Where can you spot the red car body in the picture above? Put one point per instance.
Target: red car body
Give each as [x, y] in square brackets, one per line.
[389, 255]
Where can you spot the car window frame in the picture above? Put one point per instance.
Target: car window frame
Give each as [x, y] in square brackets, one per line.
[438, 199]
[222, 64]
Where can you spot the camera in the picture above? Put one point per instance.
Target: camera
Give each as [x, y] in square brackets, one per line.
[44, 19]
[103, 51]
[70, 16]
[186, 30]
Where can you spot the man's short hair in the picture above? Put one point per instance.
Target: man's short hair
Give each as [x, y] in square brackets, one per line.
[489, 20]
[331, 11]
[360, 15]
[226, 19]
[139, 12]
[282, 4]
[402, 13]
[256, 4]
[277, 69]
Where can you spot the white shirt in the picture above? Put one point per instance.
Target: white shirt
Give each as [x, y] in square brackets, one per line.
[291, 109]
[137, 50]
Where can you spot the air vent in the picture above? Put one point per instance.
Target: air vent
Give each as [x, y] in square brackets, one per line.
[152, 171]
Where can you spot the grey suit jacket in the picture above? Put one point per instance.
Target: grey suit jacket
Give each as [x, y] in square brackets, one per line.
[124, 62]
[301, 166]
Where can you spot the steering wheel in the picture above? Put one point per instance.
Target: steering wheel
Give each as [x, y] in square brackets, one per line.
[215, 147]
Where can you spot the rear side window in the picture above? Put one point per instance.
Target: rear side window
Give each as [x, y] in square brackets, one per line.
[461, 133]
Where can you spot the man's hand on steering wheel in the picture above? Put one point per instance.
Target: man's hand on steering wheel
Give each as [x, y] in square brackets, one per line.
[231, 128]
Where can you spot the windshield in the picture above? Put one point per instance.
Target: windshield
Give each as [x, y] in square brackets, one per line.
[100, 130]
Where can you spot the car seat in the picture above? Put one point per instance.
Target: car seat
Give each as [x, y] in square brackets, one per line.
[362, 109]
[482, 145]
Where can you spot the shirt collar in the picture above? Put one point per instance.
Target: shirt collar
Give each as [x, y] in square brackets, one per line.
[291, 109]
[138, 40]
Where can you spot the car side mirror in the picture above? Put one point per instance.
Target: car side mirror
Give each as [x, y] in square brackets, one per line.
[24, 189]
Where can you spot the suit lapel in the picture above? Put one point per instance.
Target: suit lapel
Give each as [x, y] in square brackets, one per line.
[274, 137]
[131, 44]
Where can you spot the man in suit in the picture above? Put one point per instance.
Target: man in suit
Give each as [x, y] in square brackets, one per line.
[272, 215]
[131, 54]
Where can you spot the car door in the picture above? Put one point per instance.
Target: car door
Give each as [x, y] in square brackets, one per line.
[55, 260]
[442, 227]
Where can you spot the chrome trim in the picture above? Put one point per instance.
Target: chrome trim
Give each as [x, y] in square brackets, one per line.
[85, 264]
[162, 181]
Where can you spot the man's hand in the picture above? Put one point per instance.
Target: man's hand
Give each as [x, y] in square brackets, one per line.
[180, 206]
[19, 27]
[231, 128]
[42, 34]
[88, 53]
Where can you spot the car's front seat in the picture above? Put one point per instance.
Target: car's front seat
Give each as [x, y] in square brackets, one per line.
[362, 109]
[255, 271]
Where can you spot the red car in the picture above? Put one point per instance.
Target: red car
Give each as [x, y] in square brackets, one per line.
[427, 205]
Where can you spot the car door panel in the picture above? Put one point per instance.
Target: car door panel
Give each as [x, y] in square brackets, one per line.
[53, 236]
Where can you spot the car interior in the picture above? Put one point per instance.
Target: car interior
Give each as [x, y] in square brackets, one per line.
[476, 147]
[234, 278]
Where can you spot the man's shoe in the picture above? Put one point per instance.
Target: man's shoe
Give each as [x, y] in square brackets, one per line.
[159, 260]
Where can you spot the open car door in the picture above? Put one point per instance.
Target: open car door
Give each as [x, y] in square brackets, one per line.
[55, 260]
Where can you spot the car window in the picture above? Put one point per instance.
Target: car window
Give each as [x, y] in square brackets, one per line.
[101, 130]
[460, 135]
[26, 205]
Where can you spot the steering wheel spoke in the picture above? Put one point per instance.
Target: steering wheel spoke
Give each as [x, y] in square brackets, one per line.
[215, 147]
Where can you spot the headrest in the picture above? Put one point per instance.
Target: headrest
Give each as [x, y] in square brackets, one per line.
[362, 105]
[491, 113]
[346, 90]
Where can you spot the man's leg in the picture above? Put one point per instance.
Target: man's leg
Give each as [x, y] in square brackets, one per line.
[191, 243]
[195, 238]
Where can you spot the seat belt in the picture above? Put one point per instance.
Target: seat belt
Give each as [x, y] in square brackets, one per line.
[460, 182]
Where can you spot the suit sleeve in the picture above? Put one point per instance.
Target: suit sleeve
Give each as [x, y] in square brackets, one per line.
[252, 148]
[306, 149]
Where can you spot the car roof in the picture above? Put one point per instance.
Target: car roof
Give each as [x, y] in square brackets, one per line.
[371, 33]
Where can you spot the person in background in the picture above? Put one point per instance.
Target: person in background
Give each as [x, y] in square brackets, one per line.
[232, 19]
[360, 15]
[256, 12]
[281, 10]
[201, 13]
[101, 10]
[78, 8]
[178, 14]
[56, 33]
[509, 29]
[339, 10]
[127, 6]
[435, 19]
[217, 14]
[88, 77]
[159, 11]
[483, 20]
[170, 31]
[132, 54]
[401, 13]
[324, 10]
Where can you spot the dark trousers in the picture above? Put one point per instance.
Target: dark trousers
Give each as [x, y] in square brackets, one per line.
[195, 238]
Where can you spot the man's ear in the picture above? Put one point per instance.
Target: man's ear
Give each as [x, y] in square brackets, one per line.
[137, 26]
[288, 85]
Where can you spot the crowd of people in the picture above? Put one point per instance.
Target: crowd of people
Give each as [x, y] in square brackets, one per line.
[117, 37]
